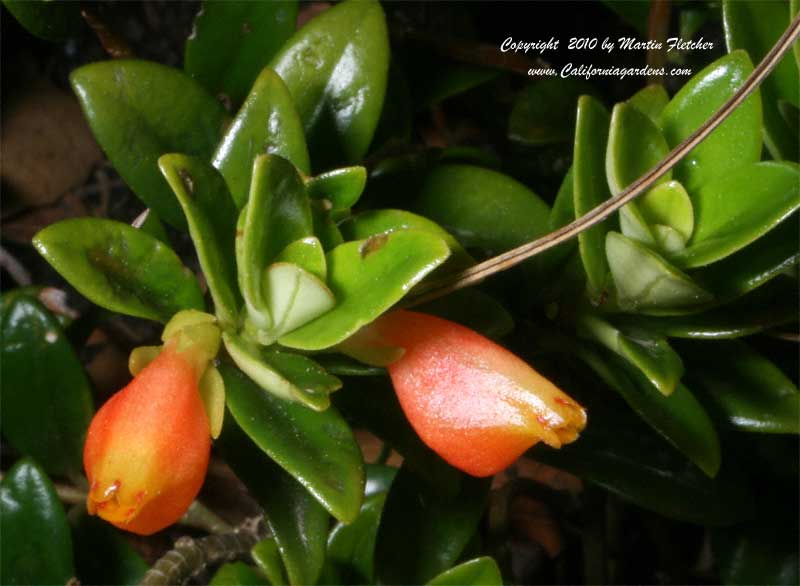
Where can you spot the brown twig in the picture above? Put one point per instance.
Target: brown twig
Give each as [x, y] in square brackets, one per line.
[440, 287]
[113, 44]
[190, 556]
[657, 28]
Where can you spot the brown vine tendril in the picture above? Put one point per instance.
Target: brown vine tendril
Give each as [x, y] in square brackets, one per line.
[439, 287]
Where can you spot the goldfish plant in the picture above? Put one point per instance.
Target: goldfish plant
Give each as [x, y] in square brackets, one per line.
[293, 318]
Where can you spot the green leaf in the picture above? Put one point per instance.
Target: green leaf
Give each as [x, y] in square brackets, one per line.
[267, 557]
[277, 213]
[48, 20]
[765, 552]
[139, 110]
[295, 296]
[336, 68]
[306, 253]
[755, 264]
[382, 415]
[474, 309]
[342, 187]
[621, 454]
[755, 27]
[735, 143]
[232, 41]
[590, 188]
[423, 531]
[153, 226]
[748, 390]
[669, 205]
[652, 355]
[237, 574]
[102, 554]
[735, 209]
[635, 145]
[34, 529]
[297, 521]
[367, 277]
[481, 571]
[433, 79]
[544, 113]
[317, 448]
[482, 208]
[636, 14]
[650, 101]
[771, 305]
[290, 377]
[679, 418]
[375, 222]
[353, 545]
[646, 283]
[46, 411]
[120, 268]
[211, 215]
[267, 123]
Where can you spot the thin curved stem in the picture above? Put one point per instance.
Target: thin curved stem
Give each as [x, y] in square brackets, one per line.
[438, 288]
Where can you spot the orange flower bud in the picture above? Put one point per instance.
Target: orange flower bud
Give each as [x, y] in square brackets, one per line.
[473, 402]
[147, 448]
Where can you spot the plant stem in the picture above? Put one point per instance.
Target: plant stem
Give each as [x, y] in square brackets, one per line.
[473, 275]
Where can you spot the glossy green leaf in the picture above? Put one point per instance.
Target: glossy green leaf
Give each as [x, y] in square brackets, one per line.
[474, 309]
[34, 529]
[237, 574]
[339, 364]
[590, 188]
[367, 277]
[102, 553]
[771, 305]
[297, 521]
[379, 478]
[669, 205]
[295, 297]
[635, 145]
[317, 448]
[267, 557]
[277, 213]
[352, 545]
[232, 41]
[342, 187]
[645, 282]
[290, 377]
[482, 208]
[764, 552]
[733, 210]
[620, 453]
[267, 123]
[650, 101]
[49, 20]
[46, 411]
[211, 216]
[755, 27]
[754, 265]
[306, 253]
[749, 391]
[680, 418]
[423, 531]
[336, 68]
[481, 571]
[375, 222]
[153, 226]
[120, 268]
[544, 113]
[139, 110]
[735, 143]
[325, 228]
[383, 416]
[652, 355]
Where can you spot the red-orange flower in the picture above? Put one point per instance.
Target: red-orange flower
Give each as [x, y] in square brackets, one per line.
[473, 402]
[147, 448]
